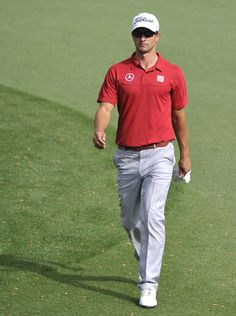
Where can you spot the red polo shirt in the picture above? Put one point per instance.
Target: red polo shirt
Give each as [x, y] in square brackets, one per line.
[144, 99]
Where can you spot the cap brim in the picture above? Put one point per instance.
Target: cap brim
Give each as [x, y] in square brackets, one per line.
[145, 25]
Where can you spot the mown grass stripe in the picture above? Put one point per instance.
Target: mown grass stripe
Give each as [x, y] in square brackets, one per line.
[57, 192]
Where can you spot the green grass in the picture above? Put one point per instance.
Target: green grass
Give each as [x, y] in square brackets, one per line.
[58, 193]
[50, 173]
[62, 250]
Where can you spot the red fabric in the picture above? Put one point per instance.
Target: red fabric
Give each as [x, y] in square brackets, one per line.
[144, 100]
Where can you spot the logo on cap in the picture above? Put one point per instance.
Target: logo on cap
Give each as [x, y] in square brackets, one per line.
[129, 76]
[146, 20]
[143, 19]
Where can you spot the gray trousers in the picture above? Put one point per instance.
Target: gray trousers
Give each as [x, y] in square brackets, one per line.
[143, 183]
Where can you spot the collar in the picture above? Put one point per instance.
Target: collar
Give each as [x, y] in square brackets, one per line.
[159, 64]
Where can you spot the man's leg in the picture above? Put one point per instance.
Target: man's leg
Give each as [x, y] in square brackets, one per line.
[157, 172]
[129, 188]
[143, 183]
[156, 169]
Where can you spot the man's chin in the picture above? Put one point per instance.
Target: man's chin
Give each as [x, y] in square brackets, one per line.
[143, 49]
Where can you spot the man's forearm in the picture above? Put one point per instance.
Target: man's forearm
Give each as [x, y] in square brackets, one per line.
[182, 138]
[181, 133]
[102, 118]
[101, 121]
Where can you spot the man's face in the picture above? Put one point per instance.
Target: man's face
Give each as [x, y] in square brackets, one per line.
[145, 40]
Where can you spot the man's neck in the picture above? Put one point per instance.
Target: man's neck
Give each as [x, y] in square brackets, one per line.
[146, 60]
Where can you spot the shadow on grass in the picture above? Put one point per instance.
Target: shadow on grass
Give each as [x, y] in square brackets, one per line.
[11, 262]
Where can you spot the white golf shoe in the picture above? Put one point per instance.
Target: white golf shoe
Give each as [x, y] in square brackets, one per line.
[148, 298]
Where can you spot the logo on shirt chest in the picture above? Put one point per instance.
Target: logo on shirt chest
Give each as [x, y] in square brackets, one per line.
[160, 78]
[129, 76]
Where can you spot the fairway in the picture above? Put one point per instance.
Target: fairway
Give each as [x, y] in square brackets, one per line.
[62, 249]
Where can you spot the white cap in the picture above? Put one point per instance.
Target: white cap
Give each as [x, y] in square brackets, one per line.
[147, 20]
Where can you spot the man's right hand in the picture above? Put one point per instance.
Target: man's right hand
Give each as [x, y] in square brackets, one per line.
[99, 140]
[101, 121]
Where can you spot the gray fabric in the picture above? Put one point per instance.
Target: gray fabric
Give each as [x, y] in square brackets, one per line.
[143, 182]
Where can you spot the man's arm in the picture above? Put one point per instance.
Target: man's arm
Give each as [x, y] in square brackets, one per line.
[181, 133]
[101, 121]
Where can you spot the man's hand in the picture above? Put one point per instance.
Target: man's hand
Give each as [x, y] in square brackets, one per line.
[99, 140]
[184, 166]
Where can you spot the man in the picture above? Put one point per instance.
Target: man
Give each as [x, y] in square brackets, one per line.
[150, 94]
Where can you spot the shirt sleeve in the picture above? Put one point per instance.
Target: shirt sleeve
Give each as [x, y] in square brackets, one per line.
[108, 91]
[179, 92]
